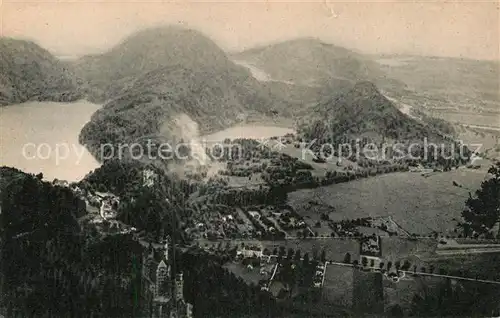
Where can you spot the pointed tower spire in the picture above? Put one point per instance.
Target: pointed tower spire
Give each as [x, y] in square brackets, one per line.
[161, 279]
[167, 249]
[179, 287]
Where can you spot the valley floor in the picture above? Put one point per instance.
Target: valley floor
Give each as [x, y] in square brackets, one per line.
[419, 204]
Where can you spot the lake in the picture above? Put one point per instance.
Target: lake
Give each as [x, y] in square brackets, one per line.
[43, 137]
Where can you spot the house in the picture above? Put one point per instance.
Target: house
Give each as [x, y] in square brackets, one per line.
[254, 214]
[250, 251]
[61, 183]
[149, 178]
[106, 211]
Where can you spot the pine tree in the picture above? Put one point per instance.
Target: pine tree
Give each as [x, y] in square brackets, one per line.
[483, 211]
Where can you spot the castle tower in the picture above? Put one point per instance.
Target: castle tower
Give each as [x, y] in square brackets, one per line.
[162, 278]
[147, 262]
[167, 249]
[169, 294]
[179, 287]
[189, 311]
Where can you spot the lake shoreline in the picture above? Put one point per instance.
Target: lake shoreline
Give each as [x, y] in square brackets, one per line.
[42, 137]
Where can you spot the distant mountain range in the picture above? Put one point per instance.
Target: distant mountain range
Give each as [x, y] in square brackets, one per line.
[436, 83]
[29, 72]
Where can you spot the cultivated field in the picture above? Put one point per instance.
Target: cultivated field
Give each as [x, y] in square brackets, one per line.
[419, 204]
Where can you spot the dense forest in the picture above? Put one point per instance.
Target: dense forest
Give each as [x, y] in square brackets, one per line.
[31, 73]
[52, 267]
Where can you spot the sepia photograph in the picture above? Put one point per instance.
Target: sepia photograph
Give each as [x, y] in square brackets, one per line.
[249, 159]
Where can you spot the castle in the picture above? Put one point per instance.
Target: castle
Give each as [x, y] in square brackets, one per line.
[166, 294]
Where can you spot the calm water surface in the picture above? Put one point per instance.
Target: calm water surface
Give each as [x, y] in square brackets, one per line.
[43, 137]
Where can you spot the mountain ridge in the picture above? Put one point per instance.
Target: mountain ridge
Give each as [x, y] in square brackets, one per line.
[161, 85]
[31, 73]
[363, 111]
[307, 59]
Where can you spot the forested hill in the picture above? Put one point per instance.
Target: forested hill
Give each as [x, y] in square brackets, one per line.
[29, 72]
[168, 48]
[363, 110]
[310, 61]
[364, 113]
[158, 74]
[56, 265]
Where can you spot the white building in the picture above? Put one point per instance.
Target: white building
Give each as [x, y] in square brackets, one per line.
[250, 251]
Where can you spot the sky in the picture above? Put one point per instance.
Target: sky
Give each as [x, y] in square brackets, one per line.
[437, 28]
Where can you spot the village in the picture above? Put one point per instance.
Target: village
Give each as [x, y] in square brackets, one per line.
[287, 249]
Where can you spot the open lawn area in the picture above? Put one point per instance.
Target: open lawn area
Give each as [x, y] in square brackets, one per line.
[338, 285]
[419, 204]
[250, 276]
[397, 248]
[402, 292]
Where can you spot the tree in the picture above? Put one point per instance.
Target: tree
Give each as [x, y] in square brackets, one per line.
[389, 266]
[323, 256]
[397, 265]
[347, 258]
[281, 251]
[465, 300]
[381, 266]
[364, 261]
[483, 211]
[396, 311]
[306, 259]
[406, 265]
[297, 256]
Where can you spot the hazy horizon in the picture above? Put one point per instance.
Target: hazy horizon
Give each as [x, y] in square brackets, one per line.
[440, 29]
